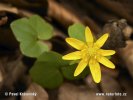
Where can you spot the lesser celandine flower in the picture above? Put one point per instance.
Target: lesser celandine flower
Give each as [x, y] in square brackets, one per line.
[90, 54]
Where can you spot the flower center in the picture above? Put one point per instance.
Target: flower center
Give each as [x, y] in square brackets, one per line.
[89, 51]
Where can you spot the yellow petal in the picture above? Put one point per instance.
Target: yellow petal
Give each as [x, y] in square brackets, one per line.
[95, 70]
[72, 56]
[77, 44]
[81, 66]
[88, 35]
[106, 52]
[106, 62]
[100, 42]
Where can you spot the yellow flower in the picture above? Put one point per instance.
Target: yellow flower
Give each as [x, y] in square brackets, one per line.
[90, 54]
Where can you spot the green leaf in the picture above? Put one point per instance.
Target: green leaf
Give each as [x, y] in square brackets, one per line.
[30, 32]
[22, 30]
[33, 48]
[53, 57]
[77, 31]
[68, 72]
[43, 29]
[46, 74]
[46, 70]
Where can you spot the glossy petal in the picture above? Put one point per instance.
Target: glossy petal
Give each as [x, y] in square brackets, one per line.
[95, 70]
[81, 66]
[106, 62]
[100, 42]
[72, 56]
[106, 52]
[77, 44]
[88, 35]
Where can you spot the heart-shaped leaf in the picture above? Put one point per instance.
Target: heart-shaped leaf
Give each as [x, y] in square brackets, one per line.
[46, 74]
[43, 29]
[46, 70]
[77, 31]
[30, 32]
[22, 30]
